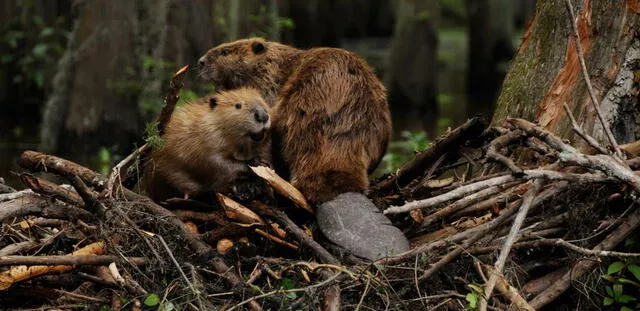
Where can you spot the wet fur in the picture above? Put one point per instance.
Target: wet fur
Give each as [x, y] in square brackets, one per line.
[207, 148]
[331, 119]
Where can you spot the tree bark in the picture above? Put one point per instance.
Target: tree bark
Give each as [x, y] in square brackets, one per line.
[546, 72]
[115, 69]
[411, 76]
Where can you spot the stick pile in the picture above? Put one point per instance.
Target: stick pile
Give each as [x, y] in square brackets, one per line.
[512, 209]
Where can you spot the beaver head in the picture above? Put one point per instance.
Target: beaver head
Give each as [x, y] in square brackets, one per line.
[252, 62]
[240, 114]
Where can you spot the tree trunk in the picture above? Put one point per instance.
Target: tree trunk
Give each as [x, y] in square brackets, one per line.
[411, 76]
[117, 63]
[546, 72]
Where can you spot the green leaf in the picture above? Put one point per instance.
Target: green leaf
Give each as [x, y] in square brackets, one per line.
[609, 291]
[38, 78]
[615, 267]
[625, 308]
[635, 270]
[167, 306]
[607, 301]
[626, 298]
[627, 281]
[152, 300]
[617, 291]
[104, 308]
[287, 283]
[472, 298]
[46, 31]
[40, 50]
[292, 295]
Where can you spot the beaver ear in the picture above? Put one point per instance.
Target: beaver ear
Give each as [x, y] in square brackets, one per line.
[213, 102]
[258, 47]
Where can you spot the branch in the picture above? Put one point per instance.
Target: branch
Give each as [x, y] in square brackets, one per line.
[576, 128]
[527, 201]
[582, 267]
[69, 260]
[469, 130]
[500, 180]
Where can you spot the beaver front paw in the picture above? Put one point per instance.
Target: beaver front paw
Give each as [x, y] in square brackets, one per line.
[249, 190]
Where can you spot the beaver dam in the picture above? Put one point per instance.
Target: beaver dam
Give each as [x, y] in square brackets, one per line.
[508, 217]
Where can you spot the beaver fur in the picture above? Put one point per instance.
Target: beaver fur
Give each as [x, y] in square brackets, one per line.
[331, 120]
[208, 145]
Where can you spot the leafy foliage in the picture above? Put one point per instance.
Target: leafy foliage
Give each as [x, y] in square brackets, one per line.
[623, 288]
[403, 151]
[32, 47]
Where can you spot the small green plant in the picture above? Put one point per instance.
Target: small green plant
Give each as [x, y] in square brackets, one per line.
[287, 283]
[403, 150]
[623, 286]
[474, 296]
[153, 136]
[105, 158]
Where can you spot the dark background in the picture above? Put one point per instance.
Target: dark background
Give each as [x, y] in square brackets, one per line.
[81, 79]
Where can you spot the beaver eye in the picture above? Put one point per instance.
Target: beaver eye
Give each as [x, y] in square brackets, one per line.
[238, 106]
[225, 52]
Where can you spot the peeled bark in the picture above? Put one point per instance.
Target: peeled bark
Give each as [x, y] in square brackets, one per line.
[546, 72]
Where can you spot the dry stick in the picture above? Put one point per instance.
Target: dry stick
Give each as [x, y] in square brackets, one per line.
[582, 267]
[462, 203]
[527, 201]
[66, 260]
[423, 160]
[50, 189]
[115, 172]
[502, 142]
[509, 292]
[587, 80]
[576, 128]
[607, 164]
[177, 265]
[282, 186]
[40, 162]
[170, 101]
[34, 204]
[500, 180]
[14, 195]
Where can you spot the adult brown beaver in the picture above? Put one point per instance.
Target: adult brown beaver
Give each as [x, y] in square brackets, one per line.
[331, 125]
[208, 145]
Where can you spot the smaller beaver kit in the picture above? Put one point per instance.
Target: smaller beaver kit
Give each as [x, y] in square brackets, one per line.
[209, 145]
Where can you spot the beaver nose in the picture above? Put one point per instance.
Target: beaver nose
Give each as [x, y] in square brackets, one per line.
[201, 61]
[261, 116]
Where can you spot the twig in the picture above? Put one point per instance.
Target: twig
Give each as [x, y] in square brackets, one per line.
[177, 265]
[502, 142]
[69, 260]
[37, 162]
[576, 128]
[587, 80]
[580, 268]
[294, 290]
[508, 291]
[593, 252]
[115, 172]
[474, 187]
[469, 130]
[14, 195]
[323, 255]
[527, 202]
[282, 186]
[50, 189]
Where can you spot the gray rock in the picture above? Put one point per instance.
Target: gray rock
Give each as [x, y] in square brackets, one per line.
[353, 222]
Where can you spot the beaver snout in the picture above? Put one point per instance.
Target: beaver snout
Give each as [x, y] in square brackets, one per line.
[202, 61]
[261, 116]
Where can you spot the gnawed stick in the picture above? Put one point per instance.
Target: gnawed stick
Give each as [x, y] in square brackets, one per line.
[468, 131]
[40, 162]
[508, 291]
[582, 267]
[34, 204]
[282, 187]
[527, 202]
[20, 273]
